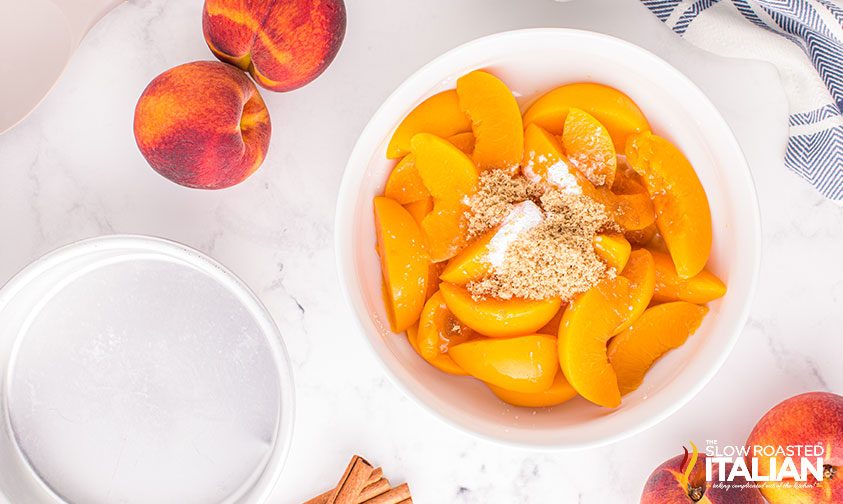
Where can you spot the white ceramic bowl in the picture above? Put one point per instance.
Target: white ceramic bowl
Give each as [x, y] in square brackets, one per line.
[532, 62]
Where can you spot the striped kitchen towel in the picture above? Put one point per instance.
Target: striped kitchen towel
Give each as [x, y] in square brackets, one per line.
[804, 40]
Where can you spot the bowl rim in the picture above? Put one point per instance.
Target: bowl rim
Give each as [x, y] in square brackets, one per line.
[263, 483]
[344, 224]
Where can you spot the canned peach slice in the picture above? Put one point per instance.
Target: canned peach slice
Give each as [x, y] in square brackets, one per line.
[404, 262]
[658, 330]
[616, 111]
[589, 147]
[495, 120]
[471, 263]
[560, 391]
[499, 317]
[440, 114]
[682, 211]
[587, 325]
[444, 228]
[613, 248]
[700, 288]
[442, 362]
[447, 172]
[439, 329]
[641, 272]
[526, 364]
[404, 184]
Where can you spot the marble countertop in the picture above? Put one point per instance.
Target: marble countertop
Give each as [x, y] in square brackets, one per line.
[72, 171]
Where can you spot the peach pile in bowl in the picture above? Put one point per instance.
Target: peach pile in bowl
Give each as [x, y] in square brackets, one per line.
[533, 226]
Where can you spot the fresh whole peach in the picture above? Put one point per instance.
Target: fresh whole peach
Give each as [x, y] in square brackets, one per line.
[815, 419]
[203, 125]
[284, 44]
[669, 485]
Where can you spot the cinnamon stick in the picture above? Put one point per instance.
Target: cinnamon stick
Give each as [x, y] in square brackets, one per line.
[363, 484]
[376, 477]
[353, 480]
[320, 499]
[393, 496]
[373, 490]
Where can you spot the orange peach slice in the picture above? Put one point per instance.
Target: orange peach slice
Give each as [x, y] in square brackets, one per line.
[525, 364]
[641, 272]
[543, 160]
[441, 362]
[552, 327]
[541, 150]
[444, 228]
[642, 237]
[449, 175]
[632, 212]
[499, 317]
[404, 184]
[614, 249]
[447, 172]
[682, 212]
[560, 391]
[659, 330]
[471, 263]
[628, 182]
[433, 281]
[495, 120]
[587, 325]
[404, 262]
[589, 147]
[632, 206]
[419, 209]
[440, 115]
[413, 337]
[616, 111]
[463, 142]
[439, 329]
[701, 288]
[477, 260]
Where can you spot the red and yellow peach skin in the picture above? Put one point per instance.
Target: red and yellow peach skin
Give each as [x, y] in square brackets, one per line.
[283, 44]
[813, 418]
[203, 125]
[669, 484]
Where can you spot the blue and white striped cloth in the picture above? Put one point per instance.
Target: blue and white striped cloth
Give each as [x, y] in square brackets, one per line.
[804, 39]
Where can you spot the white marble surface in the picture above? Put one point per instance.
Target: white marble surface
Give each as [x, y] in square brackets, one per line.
[72, 171]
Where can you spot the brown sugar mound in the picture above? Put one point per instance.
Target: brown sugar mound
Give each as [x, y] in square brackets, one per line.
[556, 258]
[496, 195]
